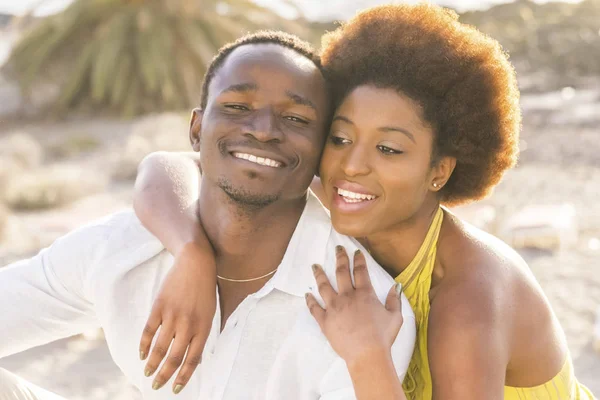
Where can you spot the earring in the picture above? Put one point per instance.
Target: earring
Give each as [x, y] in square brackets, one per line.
[436, 185]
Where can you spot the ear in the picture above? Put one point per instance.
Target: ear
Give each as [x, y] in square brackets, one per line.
[195, 128]
[441, 173]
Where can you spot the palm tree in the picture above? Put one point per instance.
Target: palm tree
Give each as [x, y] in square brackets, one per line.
[134, 56]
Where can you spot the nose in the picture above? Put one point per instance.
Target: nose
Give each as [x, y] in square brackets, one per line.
[355, 161]
[264, 127]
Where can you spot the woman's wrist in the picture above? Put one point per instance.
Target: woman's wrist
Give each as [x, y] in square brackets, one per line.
[195, 258]
[366, 360]
[192, 236]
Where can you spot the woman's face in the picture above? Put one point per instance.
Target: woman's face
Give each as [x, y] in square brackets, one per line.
[376, 167]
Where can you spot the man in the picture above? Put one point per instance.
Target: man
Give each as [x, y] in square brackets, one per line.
[260, 132]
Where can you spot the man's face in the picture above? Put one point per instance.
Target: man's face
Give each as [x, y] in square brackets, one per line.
[262, 132]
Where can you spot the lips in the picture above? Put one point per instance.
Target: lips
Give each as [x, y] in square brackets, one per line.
[353, 192]
[351, 197]
[354, 197]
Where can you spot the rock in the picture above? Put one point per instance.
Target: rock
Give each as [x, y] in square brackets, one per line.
[125, 163]
[22, 149]
[546, 227]
[52, 187]
[4, 214]
[164, 132]
[479, 215]
[167, 131]
[596, 340]
[9, 169]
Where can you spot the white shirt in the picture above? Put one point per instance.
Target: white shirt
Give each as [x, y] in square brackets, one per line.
[108, 274]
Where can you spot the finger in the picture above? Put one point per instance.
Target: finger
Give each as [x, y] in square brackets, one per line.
[149, 331]
[323, 285]
[315, 309]
[361, 272]
[160, 349]
[342, 270]
[393, 302]
[191, 362]
[174, 359]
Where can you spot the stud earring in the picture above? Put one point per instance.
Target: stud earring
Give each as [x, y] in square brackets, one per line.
[436, 185]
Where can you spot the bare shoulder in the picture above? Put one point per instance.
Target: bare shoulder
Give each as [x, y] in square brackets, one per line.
[487, 285]
[480, 263]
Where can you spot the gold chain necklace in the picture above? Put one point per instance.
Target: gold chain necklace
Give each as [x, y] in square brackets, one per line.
[248, 280]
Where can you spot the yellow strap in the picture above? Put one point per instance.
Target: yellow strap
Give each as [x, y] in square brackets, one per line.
[429, 245]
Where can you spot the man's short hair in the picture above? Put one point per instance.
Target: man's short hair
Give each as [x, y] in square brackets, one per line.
[262, 37]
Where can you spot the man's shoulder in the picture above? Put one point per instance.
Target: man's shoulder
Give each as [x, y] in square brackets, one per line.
[115, 226]
[117, 235]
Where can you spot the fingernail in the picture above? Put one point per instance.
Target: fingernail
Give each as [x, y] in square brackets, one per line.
[357, 252]
[306, 296]
[178, 388]
[147, 371]
[315, 268]
[398, 289]
[339, 249]
[156, 385]
[142, 355]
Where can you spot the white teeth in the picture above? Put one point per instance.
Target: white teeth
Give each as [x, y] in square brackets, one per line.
[352, 197]
[258, 160]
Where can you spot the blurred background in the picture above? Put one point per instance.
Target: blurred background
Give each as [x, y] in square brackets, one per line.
[89, 87]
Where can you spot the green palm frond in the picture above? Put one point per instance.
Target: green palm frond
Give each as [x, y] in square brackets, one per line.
[133, 56]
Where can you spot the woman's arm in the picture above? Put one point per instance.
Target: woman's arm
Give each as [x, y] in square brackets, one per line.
[166, 197]
[468, 343]
[374, 377]
[359, 328]
[165, 200]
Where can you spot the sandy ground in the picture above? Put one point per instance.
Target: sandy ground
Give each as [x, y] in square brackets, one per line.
[560, 164]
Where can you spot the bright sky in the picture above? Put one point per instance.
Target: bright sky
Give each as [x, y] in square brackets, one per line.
[314, 9]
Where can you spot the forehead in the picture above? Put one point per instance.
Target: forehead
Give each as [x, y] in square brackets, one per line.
[271, 67]
[381, 106]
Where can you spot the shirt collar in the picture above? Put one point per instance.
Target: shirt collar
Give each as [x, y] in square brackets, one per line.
[307, 246]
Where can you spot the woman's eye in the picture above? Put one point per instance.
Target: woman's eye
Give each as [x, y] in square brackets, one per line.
[338, 141]
[237, 107]
[388, 150]
[296, 119]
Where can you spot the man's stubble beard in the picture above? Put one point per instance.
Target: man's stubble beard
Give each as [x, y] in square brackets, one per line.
[247, 201]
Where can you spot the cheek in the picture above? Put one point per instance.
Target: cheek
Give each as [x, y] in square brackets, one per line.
[329, 159]
[309, 148]
[405, 185]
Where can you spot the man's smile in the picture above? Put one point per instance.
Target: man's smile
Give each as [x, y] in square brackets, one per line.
[265, 161]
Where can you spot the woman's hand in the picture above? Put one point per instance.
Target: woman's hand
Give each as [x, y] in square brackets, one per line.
[184, 311]
[354, 320]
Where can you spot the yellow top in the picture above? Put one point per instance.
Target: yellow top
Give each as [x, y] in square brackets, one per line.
[416, 282]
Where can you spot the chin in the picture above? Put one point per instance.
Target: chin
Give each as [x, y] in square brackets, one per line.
[349, 226]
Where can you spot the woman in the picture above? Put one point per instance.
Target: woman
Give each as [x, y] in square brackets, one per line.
[427, 115]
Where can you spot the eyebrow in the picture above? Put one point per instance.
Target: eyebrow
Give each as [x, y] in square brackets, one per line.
[382, 129]
[241, 88]
[252, 87]
[301, 100]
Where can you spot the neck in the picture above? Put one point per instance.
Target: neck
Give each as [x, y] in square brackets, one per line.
[396, 247]
[247, 242]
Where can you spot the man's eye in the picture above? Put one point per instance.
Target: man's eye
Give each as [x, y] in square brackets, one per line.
[338, 141]
[296, 119]
[388, 150]
[237, 107]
